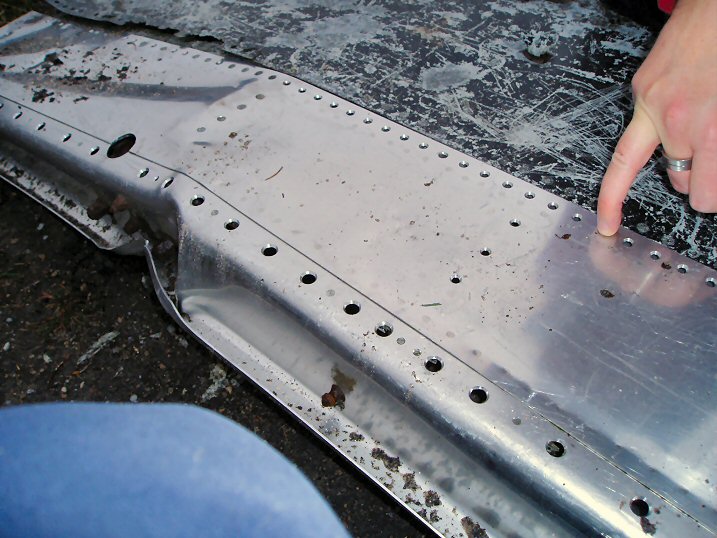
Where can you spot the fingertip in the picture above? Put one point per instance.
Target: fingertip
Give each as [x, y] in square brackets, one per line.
[608, 227]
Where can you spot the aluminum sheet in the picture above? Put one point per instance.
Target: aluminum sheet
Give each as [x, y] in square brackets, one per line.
[491, 327]
[539, 88]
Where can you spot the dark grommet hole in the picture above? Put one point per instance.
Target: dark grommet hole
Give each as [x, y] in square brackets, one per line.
[231, 224]
[121, 145]
[639, 507]
[478, 395]
[555, 448]
[384, 329]
[269, 250]
[352, 308]
[197, 200]
[433, 364]
[308, 278]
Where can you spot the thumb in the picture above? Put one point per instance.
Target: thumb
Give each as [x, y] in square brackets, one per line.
[633, 150]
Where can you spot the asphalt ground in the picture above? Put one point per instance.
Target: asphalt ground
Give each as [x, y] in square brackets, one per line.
[60, 295]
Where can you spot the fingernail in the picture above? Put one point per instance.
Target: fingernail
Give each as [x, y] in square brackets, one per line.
[607, 228]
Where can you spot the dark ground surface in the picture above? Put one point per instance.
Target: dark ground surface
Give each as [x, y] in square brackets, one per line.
[59, 294]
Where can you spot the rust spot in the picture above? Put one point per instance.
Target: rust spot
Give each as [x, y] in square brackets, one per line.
[607, 294]
[347, 383]
[120, 203]
[335, 397]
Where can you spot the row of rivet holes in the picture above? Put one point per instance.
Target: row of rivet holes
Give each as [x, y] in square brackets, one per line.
[478, 394]
[627, 242]
[384, 329]
[455, 278]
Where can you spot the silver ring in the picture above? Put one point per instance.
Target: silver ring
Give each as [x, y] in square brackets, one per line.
[677, 165]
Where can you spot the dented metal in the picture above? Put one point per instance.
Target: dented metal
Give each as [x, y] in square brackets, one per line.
[464, 339]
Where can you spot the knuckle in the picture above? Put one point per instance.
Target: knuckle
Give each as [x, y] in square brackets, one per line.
[619, 158]
[675, 116]
[640, 81]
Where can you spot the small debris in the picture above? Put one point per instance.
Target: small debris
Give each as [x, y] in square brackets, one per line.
[133, 398]
[429, 183]
[431, 304]
[409, 481]
[432, 498]
[6, 347]
[95, 348]
[666, 266]
[233, 134]
[353, 436]
[335, 397]
[647, 527]
[218, 377]
[46, 358]
[543, 58]
[607, 294]
[433, 516]
[274, 174]
[391, 463]
[40, 227]
[564, 236]
[472, 529]
[183, 342]
[39, 96]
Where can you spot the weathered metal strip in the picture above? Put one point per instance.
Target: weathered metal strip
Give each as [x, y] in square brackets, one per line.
[501, 364]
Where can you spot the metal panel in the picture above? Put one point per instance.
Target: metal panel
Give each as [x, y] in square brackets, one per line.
[527, 374]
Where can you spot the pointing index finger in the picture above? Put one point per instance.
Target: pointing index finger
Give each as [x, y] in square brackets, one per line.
[633, 150]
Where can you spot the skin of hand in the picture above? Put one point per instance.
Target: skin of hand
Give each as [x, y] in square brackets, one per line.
[675, 93]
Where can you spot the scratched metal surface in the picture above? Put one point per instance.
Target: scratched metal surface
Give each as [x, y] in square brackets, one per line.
[614, 347]
[462, 73]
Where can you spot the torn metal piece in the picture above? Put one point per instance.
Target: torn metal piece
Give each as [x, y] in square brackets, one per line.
[524, 401]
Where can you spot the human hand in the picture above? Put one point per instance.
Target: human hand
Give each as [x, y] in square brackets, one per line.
[676, 105]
